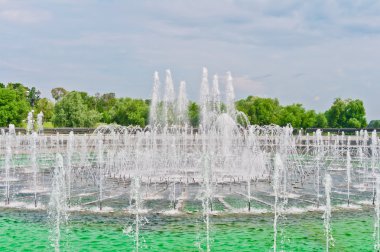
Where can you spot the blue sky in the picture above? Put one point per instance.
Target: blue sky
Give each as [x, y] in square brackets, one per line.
[298, 51]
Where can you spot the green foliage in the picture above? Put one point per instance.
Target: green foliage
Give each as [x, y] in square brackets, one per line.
[193, 113]
[353, 123]
[346, 113]
[72, 111]
[292, 114]
[79, 109]
[46, 106]
[128, 111]
[48, 125]
[309, 119]
[103, 104]
[58, 93]
[321, 121]
[33, 96]
[13, 106]
[260, 111]
[375, 124]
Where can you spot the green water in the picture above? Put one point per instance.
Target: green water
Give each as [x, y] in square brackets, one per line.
[28, 231]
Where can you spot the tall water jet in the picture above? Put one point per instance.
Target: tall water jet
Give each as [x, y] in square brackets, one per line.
[57, 208]
[373, 161]
[30, 122]
[348, 169]
[215, 95]
[207, 198]
[182, 105]
[40, 123]
[7, 166]
[230, 97]
[204, 99]
[276, 183]
[153, 113]
[376, 233]
[327, 214]
[133, 231]
[34, 165]
[70, 151]
[169, 98]
[100, 164]
[318, 155]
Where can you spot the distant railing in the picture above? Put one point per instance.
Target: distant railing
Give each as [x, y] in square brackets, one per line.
[340, 130]
[53, 131]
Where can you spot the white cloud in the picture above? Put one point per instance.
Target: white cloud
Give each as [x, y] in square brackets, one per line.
[25, 16]
[247, 85]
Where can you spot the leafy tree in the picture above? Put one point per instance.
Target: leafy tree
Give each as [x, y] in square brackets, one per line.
[292, 114]
[71, 111]
[13, 107]
[128, 111]
[193, 113]
[58, 93]
[309, 119]
[90, 101]
[374, 124]
[343, 112]
[104, 103]
[321, 121]
[353, 123]
[33, 96]
[47, 107]
[21, 90]
[336, 117]
[355, 114]
[261, 111]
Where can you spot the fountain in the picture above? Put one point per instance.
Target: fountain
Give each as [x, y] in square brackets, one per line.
[30, 122]
[327, 214]
[57, 208]
[278, 168]
[224, 172]
[40, 125]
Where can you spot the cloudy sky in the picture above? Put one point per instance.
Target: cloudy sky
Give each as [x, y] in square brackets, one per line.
[298, 51]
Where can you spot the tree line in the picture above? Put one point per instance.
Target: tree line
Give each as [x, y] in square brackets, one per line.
[79, 109]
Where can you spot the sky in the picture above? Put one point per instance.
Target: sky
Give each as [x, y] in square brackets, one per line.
[308, 52]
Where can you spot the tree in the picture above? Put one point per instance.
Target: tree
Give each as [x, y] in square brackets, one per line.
[193, 114]
[374, 124]
[58, 93]
[309, 119]
[128, 111]
[89, 100]
[13, 107]
[321, 121]
[336, 117]
[355, 114]
[33, 96]
[47, 107]
[346, 113]
[353, 123]
[292, 114]
[260, 111]
[104, 103]
[20, 89]
[71, 111]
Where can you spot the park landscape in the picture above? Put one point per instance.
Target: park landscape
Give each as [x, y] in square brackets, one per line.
[210, 164]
